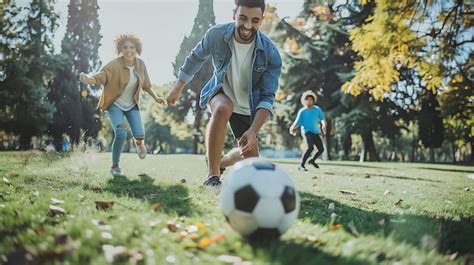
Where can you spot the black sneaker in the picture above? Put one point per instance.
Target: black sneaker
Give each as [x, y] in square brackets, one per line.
[213, 181]
[311, 162]
[302, 168]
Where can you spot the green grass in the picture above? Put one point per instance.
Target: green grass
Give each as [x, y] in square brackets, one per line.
[434, 220]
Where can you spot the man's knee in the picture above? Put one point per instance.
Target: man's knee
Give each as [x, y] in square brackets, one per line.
[310, 149]
[121, 131]
[223, 110]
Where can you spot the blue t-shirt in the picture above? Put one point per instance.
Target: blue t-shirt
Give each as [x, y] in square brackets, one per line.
[309, 119]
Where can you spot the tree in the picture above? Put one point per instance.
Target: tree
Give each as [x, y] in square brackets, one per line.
[426, 36]
[189, 103]
[75, 102]
[316, 56]
[28, 69]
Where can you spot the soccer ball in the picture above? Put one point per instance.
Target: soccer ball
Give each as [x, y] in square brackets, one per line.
[258, 199]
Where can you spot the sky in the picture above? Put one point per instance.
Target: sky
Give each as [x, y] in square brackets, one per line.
[161, 24]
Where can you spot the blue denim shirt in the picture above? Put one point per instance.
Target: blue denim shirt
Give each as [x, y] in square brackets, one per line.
[217, 43]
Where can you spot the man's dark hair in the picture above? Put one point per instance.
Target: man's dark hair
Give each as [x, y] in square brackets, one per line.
[251, 4]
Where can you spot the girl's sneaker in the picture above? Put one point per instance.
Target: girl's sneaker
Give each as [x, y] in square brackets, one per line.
[141, 149]
[116, 171]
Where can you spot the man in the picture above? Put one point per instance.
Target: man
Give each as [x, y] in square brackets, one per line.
[247, 66]
[309, 118]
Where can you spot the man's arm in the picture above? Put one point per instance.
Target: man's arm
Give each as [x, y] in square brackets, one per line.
[191, 66]
[270, 79]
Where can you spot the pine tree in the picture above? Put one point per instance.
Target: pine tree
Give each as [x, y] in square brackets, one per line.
[75, 102]
[189, 103]
[27, 69]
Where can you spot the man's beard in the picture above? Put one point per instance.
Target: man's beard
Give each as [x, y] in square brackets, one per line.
[250, 37]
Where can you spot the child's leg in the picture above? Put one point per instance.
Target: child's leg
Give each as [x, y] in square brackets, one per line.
[310, 143]
[319, 144]
[116, 117]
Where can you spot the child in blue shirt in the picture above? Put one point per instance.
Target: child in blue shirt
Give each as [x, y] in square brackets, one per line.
[309, 118]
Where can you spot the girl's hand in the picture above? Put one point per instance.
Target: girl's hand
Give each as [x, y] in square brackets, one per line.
[160, 100]
[84, 78]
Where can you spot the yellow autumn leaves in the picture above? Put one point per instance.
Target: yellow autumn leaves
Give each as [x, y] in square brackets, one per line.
[386, 43]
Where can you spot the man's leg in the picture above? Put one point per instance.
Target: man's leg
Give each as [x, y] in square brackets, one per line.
[221, 108]
[239, 124]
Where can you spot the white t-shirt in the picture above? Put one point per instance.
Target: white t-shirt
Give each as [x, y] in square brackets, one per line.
[126, 102]
[236, 82]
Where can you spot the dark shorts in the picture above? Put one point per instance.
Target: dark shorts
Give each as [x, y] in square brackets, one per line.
[239, 123]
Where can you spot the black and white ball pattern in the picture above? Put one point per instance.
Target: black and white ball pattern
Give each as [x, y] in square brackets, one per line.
[258, 199]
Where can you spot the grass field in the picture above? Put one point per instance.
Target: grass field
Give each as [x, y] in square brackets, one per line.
[400, 213]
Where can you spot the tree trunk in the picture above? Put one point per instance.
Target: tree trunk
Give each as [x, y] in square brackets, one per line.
[413, 150]
[369, 144]
[346, 145]
[453, 149]
[25, 140]
[363, 152]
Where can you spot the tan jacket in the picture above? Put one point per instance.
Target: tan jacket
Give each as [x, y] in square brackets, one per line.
[114, 76]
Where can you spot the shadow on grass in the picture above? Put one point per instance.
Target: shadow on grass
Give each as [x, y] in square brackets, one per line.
[174, 199]
[297, 162]
[404, 178]
[450, 235]
[447, 169]
[283, 252]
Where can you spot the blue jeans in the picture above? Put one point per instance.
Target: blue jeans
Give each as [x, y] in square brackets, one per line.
[117, 117]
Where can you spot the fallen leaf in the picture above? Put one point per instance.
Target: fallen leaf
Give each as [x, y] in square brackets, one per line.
[387, 192]
[101, 225]
[331, 206]
[335, 227]
[367, 176]
[315, 177]
[217, 238]
[172, 226]
[183, 181]
[7, 181]
[399, 202]
[171, 258]
[13, 174]
[39, 230]
[156, 206]
[55, 210]
[453, 256]
[204, 242]
[467, 189]
[106, 235]
[114, 253]
[192, 229]
[353, 229]
[103, 205]
[229, 259]
[56, 201]
[348, 192]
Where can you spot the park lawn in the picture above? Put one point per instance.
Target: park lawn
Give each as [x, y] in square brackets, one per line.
[395, 213]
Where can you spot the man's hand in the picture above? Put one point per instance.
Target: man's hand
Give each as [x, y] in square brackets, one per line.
[175, 93]
[247, 142]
